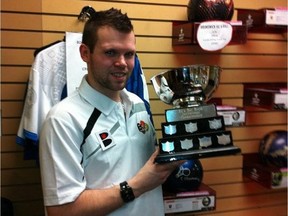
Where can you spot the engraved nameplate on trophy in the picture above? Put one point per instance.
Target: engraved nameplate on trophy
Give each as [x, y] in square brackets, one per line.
[180, 114]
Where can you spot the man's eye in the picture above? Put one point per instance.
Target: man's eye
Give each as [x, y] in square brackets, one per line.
[129, 55]
[110, 53]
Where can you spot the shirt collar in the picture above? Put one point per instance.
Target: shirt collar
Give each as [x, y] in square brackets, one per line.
[100, 101]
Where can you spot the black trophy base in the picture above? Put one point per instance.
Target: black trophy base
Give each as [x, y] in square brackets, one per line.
[196, 154]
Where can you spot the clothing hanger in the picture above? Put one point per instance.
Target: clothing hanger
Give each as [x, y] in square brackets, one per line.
[86, 13]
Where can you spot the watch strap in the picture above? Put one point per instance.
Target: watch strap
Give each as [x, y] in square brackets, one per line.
[126, 192]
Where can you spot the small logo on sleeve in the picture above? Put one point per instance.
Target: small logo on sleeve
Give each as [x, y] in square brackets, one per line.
[142, 127]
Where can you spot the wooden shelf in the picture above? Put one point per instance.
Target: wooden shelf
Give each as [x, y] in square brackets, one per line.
[255, 20]
[185, 33]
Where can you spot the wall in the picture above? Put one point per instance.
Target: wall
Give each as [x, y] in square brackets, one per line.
[30, 24]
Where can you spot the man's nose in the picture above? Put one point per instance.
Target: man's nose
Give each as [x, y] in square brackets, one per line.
[121, 61]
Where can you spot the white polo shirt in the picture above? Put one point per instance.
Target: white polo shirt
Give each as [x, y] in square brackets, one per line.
[114, 151]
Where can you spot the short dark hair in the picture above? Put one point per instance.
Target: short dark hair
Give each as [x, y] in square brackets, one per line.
[112, 17]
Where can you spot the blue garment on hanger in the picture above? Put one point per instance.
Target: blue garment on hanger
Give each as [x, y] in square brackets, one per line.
[137, 85]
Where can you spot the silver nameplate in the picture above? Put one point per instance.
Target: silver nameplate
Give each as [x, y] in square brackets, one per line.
[197, 112]
[191, 127]
[186, 144]
[215, 124]
[168, 146]
[205, 141]
[224, 139]
[170, 129]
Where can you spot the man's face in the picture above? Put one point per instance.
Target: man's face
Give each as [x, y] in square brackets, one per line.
[112, 60]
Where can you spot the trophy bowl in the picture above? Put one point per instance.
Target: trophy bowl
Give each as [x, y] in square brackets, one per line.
[187, 86]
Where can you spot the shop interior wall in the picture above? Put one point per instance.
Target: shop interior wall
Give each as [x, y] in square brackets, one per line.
[30, 24]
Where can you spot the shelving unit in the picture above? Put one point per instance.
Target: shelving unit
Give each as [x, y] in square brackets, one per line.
[248, 21]
[185, 33]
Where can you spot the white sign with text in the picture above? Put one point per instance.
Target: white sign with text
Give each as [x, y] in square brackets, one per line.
[214, 35]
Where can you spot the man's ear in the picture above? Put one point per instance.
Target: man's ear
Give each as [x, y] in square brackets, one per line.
[84, 52]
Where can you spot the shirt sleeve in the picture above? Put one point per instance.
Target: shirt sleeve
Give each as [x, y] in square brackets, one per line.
[60, 161]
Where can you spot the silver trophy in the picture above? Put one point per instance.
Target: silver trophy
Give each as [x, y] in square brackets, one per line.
[187, 89]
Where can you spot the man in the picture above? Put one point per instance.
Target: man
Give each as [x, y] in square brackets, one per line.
[110, 171]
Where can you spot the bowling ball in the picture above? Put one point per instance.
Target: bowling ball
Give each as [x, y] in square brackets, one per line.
[204, 10]
[187, 177]
[273, 148]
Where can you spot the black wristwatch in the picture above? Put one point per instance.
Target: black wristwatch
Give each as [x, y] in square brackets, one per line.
[126, 192]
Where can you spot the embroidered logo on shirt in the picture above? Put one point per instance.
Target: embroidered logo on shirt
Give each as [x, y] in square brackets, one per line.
[142, 127]
[105, 139]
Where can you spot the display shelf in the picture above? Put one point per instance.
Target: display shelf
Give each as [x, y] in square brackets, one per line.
[271, 96]
[268, 175]
[185, 33]
[263, 20]
[248, 21]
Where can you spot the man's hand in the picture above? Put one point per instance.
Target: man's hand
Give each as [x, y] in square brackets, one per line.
[152, 175]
